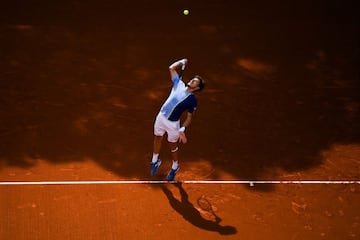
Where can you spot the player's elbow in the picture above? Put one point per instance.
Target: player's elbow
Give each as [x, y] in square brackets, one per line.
[172, 70]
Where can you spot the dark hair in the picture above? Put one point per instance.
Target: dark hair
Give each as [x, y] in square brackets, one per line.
[201, 83]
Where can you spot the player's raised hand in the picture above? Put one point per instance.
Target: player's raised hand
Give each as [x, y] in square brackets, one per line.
[184, 63]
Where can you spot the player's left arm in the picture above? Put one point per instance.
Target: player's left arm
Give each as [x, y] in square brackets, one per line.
[188, 119]
[186, 123]
[174, 68]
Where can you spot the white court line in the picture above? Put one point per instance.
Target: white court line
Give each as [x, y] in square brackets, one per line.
[251, 182]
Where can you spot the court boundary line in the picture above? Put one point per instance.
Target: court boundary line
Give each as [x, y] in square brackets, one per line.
[251, 182]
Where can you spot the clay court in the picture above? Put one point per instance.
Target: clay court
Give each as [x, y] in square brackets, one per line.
[82, 81]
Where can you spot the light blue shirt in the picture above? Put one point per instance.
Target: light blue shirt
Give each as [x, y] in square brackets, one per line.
[178, 101]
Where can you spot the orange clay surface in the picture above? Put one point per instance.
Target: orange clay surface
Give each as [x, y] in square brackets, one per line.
[82, 81]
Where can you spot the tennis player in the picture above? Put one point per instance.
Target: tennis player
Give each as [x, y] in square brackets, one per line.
[180, 100]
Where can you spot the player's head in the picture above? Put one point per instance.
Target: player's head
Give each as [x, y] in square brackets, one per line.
[196, 84]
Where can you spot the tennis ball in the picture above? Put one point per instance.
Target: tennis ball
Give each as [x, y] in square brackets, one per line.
[186, 12]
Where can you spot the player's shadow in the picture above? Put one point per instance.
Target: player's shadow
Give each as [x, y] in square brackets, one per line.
[192, 215]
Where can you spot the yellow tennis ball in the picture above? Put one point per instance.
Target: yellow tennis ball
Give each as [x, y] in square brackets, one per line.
[186, 12]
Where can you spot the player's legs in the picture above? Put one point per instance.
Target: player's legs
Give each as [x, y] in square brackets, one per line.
[174, 148]
[173, 138]
[157, 144]
[161, 126]
[155, 161]
[159, 132]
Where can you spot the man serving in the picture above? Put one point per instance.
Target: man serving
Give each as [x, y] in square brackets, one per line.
[181, 99]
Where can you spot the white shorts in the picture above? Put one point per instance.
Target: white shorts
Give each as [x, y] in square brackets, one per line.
[162, 125]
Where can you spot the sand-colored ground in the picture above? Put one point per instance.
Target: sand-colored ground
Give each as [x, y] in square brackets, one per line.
[81, 83]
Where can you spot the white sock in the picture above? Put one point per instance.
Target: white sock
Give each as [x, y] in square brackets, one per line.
[175, 164]
[155, 157]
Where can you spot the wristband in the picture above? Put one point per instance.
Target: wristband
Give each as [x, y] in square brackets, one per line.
[182, 62]
[182, 129]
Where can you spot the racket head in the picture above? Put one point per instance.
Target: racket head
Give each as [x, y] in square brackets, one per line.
[204, 204]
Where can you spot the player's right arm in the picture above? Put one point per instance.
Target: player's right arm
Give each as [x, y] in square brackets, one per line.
[177, 65]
